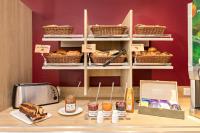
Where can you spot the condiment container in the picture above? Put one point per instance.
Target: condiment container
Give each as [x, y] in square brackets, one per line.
[92, 109]
[100, 117]
[121, 108]
[107, 109]
[129, 100]
[154, 103]
[70, 104]
[115, 117]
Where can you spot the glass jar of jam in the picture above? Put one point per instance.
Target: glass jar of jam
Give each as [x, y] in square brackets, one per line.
[121, 108]
[93, 109]
[107, 109]
[70, 104]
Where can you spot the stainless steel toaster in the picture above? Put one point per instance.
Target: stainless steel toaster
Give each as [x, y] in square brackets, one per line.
[36, 93]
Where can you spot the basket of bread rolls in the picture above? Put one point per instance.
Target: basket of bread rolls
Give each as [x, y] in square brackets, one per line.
[152, 55]
[102, 56]
[63, 56]
[58, 29]
[101, 30]
[149, 29]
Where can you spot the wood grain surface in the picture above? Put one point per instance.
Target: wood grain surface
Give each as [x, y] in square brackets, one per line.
[15, 47]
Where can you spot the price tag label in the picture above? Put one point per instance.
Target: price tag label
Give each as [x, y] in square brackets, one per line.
[42, 48]
[137, 47]
[88, 48]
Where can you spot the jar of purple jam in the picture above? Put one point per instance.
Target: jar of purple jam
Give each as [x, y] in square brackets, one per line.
[121, 105]
[121, 108]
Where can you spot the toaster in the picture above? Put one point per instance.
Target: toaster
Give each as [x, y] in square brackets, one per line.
[36, 93]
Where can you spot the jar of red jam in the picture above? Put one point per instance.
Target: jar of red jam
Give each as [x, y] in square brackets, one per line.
[93, 109]
[70, 104]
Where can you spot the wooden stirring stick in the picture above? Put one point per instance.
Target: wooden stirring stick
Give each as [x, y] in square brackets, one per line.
[125, 91]
[98, 91]
[79, 84]
[112, 91]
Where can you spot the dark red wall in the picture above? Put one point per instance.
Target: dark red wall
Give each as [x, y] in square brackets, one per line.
[172, 13]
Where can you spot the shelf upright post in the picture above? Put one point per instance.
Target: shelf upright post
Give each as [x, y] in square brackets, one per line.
[126, 75]
[85, 54]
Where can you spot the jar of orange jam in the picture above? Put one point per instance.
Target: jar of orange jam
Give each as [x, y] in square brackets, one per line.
[107, 109]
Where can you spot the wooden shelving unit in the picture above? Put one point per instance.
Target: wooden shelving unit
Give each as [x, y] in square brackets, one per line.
[106, 43]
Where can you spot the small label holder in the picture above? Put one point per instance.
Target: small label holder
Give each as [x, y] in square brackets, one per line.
[88, 48]
[137, 47]
[42, 48]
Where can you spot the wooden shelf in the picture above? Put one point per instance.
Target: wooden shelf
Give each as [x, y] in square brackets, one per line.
[108, 39]
[108, 67]
[63, 39]
[62, 67]
[152, 67]
[162, 37]
[152, 39]
[124, 37]
[73, 37]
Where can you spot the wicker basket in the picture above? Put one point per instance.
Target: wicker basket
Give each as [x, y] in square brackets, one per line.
[153, 59]
[99, 30]
[149, 29]
[63, 59]
[58, 30]
[101, 59]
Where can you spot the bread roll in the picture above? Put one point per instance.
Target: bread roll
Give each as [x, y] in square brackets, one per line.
[61, 51]
[152, 49]
[73, 53]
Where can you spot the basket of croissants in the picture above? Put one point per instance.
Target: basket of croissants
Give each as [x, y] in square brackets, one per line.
[58, 29]
[152, 55]
[63, 56]
[103, 56]
[149, 29]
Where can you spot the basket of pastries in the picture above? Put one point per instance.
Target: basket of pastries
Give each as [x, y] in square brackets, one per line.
[149, 29]
[102, 30]
[63, 56]
[58, 29]
[32, 111]
[103, 56]
[152, 55]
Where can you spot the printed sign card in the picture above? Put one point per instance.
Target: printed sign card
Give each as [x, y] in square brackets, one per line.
[42, 48]
[88, 48]
[137, 47]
